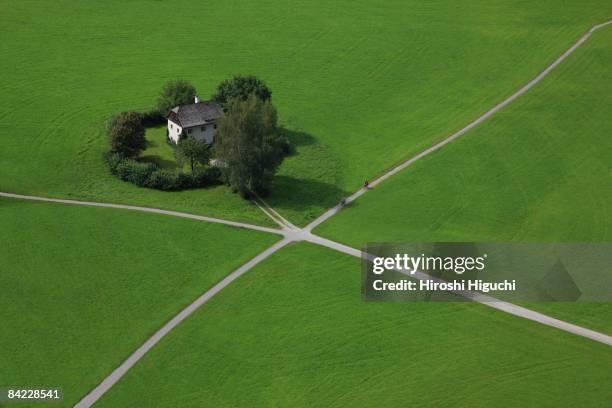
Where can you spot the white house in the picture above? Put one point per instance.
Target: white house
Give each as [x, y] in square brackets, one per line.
[197, 119]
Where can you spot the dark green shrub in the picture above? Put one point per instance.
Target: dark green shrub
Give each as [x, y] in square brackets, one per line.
[140, 173]
[165, 180]
[151, 176]
[127, 135]
[183, 180]
[208, 176]
[215, 176]
[176, 92]
[129, 169]
[123, 170]
[135, 172]
[241, 87]
[113, 160]
[192, 151]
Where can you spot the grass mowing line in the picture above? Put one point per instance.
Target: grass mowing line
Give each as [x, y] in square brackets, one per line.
[334, 210]
[146, 209]
[120, 371]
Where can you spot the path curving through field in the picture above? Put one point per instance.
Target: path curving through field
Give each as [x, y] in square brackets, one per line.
[333, 211]
[146, 209]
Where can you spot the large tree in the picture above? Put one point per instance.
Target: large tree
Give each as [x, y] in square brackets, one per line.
[192, 151]
[249, 145]
[241, 87]
[174, 93]
[127, 134]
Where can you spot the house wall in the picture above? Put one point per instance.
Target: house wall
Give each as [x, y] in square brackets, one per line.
[174, 131]
[204, 133]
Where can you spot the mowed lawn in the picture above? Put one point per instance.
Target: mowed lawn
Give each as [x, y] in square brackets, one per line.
[158, 150]
[295, 332]
[538, 171]
[359, 85]
[82, 288]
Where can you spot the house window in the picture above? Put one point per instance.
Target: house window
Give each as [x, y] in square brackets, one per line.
[171, 126]
[215, 126]
[177, 130]
[188, 131]
[203, 128]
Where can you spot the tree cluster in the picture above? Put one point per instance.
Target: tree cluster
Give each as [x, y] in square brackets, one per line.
[127, 134]
[174, 93]
[241, 87]
[249, 146]
[192, 151]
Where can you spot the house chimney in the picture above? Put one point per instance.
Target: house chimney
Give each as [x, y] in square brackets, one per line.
[197, 100]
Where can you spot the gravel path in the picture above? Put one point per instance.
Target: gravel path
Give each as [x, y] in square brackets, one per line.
[486, 300]
[146, 209]
[275, 216]
[120, 371]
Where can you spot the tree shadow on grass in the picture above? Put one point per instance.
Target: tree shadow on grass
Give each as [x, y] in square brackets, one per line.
[303, 199]
[297, 139]
[163, 163]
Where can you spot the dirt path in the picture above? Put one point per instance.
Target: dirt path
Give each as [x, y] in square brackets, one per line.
[146, 209]
[275, 216]
[120, 371]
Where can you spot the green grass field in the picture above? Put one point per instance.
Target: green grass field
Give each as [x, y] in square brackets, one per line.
[294, 332]
[538, 171]
[360, 85]
[158, 151]
[82, 288]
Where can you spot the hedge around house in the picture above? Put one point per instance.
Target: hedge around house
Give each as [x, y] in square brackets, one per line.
[150, 175]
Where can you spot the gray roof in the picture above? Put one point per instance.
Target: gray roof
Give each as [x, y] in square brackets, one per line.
[196, 114]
